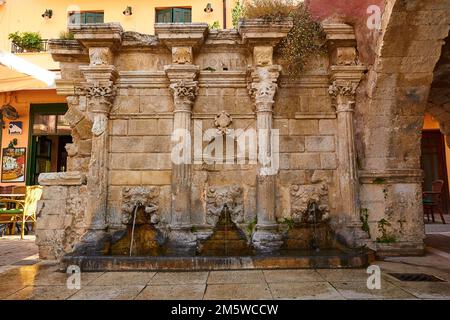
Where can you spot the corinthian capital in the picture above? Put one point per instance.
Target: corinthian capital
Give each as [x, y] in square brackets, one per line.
[264, 86]
[343, 88]
[184, 91]
[97, 90]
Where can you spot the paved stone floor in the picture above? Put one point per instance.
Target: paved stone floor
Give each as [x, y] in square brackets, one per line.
[26, 278]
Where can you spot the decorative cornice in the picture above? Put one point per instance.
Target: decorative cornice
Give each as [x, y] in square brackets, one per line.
[390, 176]
[262, 31]
[181, 34]
[70, 178]
[98, 34]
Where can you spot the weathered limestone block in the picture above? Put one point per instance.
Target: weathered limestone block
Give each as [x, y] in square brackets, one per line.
[60, 213]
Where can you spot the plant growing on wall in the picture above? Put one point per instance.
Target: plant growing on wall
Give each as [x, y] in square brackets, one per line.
[66, 35]
[385, 236]
[306, 38]
[236, 13]
[365, 220]
[28, 41]
[251, 227]
[214, 26]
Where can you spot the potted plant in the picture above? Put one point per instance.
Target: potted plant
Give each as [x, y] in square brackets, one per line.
[27, 41]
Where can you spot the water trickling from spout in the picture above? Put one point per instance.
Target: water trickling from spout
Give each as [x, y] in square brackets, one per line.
[313, 218]
[132, 228]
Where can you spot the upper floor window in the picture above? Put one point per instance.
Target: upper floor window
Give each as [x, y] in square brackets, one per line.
[86, 17]
[169, 15]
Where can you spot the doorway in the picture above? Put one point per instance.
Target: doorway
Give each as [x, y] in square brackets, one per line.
[49, 134]
[434, 164]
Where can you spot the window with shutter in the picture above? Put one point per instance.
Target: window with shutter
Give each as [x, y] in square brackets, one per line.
[172, 15]
[86, 17]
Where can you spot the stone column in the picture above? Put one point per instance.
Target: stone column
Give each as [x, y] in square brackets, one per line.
[100, 76]
[263, 89]
[184, 91]
[182, 41]
[343, 89]
[262, 38]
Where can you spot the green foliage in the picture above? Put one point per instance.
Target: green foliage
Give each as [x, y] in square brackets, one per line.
[215, 25]
[379, 181]
[385, 236]
[209, 69]
[236, 13]
[268, 9]
[66, 35]
[251, 227]
[305, 39]
[289, 222]
[364, 216]
[28, 41]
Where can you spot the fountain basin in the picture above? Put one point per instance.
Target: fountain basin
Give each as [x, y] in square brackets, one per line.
[282, 260]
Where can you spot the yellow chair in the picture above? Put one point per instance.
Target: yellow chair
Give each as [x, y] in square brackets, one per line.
[17, 211]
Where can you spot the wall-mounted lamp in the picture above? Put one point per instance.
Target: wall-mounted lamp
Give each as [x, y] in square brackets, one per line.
[128, 11]
[208, 8]
[9, 112]
[48, 14]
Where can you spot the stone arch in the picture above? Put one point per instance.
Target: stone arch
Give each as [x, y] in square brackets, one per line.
[390, 108]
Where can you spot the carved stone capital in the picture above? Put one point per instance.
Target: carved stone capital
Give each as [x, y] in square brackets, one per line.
[343, 92]
[264, 86]
[184, 94]
[343, 88]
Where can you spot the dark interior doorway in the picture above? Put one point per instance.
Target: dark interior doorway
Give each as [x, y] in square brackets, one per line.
[433, 162]
[49, 134]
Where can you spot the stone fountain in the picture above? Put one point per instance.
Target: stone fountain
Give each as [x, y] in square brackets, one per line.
[125, 203]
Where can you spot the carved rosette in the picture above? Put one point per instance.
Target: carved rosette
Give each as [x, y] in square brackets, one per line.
[222, 122]
[343, 93]
[184, 93]
[219, 197]
[303, 195]
[146, 197]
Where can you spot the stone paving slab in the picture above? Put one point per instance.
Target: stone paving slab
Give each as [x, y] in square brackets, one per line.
[292, 276]
[233, 276]
[107, 293]
[13, 249]
[238, 291]
[358, 290]
[173, 292]
[179, 278]
[122, 278]
[305, 291]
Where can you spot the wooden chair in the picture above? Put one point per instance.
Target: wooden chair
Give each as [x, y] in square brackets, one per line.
[432, 200]
[17, 211]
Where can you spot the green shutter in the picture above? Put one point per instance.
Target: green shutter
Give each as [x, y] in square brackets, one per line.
[93, 17]
[164, 16]
[181, 15]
